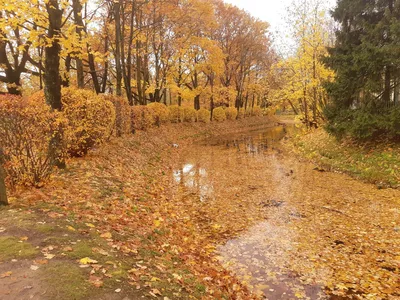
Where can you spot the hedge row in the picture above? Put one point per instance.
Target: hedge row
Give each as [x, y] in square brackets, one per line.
[28, 125]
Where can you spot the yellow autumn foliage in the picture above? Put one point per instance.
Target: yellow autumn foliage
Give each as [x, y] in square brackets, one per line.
[256, 111]
[26, 128]
[91, 120]
[231, 113]
[241, 113]
[176, 113]
[203, 115]
[189, 114]
[219, 114]
[160, 113]
[122, 114]
[142, 117]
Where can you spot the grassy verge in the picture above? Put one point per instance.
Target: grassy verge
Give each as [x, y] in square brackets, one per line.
[373, 163]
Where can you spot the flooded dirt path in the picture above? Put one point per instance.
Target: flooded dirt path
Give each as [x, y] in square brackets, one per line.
[285, 230]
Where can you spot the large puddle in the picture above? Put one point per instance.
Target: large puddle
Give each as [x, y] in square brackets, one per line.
[258, 255]
[257, 141]
[280, 226]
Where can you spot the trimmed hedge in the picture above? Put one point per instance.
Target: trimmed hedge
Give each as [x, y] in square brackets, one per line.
[219, 114]
[26, 128]
[91, 120]
[231, 113]
[203, 115]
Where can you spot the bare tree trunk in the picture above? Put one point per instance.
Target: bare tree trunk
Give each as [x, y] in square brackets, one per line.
[118, 37]
[195, 82]
[77, 8]
[305, 107]
[65, 79]
[127, 63]
[293, 107]
[3, 191]
[93, 73]
[139, 73]
[52, 78]
[314, 108]
[105, 73]
[196, 102]
[387, 91]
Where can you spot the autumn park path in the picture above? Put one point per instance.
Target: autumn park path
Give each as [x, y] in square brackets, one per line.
[200, 211]
[286, 229]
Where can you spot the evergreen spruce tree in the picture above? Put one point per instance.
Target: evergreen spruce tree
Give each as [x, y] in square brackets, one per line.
[366, 59]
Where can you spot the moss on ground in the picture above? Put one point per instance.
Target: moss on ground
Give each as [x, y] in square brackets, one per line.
[67, 281]
[45, 228]
[14, 248]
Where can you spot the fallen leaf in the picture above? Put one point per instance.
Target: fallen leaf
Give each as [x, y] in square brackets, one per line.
[41, 261]
[118, 290]
[6, 274]
[87, 261]
[34, 268]
[156, 292]
[106, 235]
[96, 281]
[100, 251]
[176, 276]
[70, 228]
[90, 225]
[24, 238]
[49, 256]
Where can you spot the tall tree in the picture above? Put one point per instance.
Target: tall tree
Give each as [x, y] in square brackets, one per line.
[303, 74]
[366, 59]
[52, 78]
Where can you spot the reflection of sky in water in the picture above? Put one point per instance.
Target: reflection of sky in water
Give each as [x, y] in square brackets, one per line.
[258, 257]
[196, 179]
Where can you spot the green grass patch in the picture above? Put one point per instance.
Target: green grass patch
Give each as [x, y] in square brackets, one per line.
[82, 249]
[374, 163]
[13, 248]
[65, 281]
[45, 228]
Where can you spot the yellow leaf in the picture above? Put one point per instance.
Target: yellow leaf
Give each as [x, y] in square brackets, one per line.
[90, 225]
[106, 235]
[87, 261]
[6, 274]
[70, 228]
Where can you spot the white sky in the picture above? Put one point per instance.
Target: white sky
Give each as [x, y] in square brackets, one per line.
[273, 12]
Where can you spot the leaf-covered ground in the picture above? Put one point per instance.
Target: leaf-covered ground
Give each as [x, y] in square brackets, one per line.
[218, 217]
[377, 163]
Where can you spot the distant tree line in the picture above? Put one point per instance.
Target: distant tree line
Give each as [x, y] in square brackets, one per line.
[206, 53]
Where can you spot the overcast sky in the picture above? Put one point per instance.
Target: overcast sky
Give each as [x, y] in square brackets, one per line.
[273, 12]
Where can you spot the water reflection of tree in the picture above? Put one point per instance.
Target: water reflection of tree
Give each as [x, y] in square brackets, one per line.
[195, 178]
